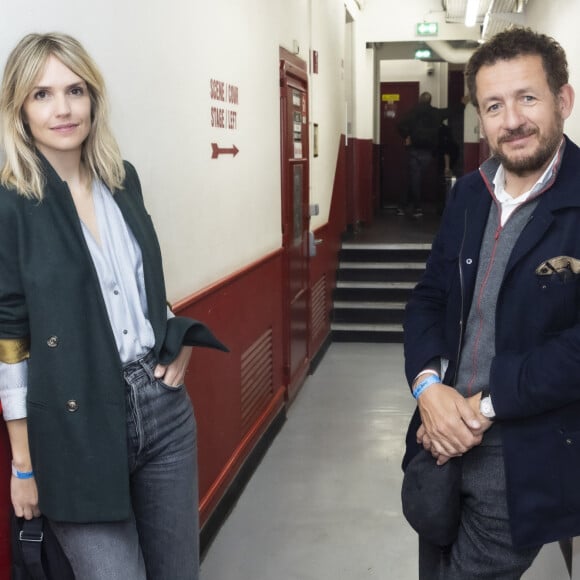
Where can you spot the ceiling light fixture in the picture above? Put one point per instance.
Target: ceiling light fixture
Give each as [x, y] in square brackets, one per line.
[471, 12]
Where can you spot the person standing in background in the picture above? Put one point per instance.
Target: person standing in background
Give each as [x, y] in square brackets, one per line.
[420, 131]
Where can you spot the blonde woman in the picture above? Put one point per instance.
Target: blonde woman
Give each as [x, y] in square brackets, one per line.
[92, 362]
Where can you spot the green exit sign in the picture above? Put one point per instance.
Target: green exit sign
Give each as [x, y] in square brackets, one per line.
[427, 29]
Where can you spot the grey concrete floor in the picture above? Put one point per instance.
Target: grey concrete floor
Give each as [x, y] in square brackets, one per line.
[324, 502]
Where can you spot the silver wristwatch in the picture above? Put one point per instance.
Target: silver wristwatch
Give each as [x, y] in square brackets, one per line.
[486, 406]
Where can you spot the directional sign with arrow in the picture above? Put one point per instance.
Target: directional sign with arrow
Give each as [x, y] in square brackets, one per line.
[216, 151]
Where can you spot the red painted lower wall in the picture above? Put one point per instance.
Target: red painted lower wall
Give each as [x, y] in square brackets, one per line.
[359, 180]
[324, 265]
[241, 311]
[337, 217]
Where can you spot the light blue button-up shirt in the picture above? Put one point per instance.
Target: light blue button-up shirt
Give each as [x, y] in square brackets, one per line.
[119, 266]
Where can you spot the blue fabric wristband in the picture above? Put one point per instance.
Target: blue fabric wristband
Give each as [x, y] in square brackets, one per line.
[430, 380]
[21, 474]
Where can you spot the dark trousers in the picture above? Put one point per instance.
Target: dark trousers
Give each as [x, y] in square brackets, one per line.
[418, 161]
[483, 549]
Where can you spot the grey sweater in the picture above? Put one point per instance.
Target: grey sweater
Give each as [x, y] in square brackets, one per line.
[479, 341]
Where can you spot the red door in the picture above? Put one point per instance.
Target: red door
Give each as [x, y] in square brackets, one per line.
[295, 217]
[397, 99]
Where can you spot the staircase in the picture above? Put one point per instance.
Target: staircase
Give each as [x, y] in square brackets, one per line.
[374, 282]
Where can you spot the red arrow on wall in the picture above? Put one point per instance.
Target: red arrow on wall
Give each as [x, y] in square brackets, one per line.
[217, 151]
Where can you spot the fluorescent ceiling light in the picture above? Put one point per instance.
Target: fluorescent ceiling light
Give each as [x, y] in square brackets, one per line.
[471, 12]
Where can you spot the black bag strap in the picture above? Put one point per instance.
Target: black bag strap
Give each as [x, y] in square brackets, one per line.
[31, 537]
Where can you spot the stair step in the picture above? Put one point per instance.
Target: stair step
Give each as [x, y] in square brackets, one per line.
[374, 282]
[392, 333]
[368, 316]
[372, 294]
[369, 305]
[364, 284]
[368, 327]
[384, 246]
[363, 256]
[379, 275]
[382, 265]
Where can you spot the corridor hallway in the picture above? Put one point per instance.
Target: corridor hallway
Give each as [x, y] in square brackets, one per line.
[324, 502]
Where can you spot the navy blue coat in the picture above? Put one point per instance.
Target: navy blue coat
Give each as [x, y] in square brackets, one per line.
[535, 374]
[50, 297]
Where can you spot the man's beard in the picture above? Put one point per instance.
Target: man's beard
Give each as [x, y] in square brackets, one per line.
[548, 144]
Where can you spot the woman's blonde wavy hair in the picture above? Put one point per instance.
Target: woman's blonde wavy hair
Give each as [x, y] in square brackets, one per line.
[22, 168]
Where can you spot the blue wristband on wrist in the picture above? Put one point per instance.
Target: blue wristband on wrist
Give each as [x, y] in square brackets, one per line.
[430, 380]
[21, 474]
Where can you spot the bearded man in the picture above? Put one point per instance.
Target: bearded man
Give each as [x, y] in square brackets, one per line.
[492, 331]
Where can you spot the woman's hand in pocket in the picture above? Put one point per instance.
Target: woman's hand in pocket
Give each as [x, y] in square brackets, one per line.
[173, 374]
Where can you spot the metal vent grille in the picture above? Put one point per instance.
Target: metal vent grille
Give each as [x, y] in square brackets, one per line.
[319, 317]
[257, 379]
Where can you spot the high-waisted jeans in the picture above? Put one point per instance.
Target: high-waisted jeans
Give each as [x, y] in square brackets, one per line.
[161, 539]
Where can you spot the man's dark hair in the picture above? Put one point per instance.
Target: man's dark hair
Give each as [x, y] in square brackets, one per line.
[517, 42]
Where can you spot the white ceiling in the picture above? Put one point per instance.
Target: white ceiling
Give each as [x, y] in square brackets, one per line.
[493, 15]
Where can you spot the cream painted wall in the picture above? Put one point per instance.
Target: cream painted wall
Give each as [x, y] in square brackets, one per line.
[361, 113]
[293, 22]
[327, 100]
[213, 216]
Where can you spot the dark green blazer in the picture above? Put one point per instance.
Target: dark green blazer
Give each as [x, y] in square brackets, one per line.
[50, 295]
